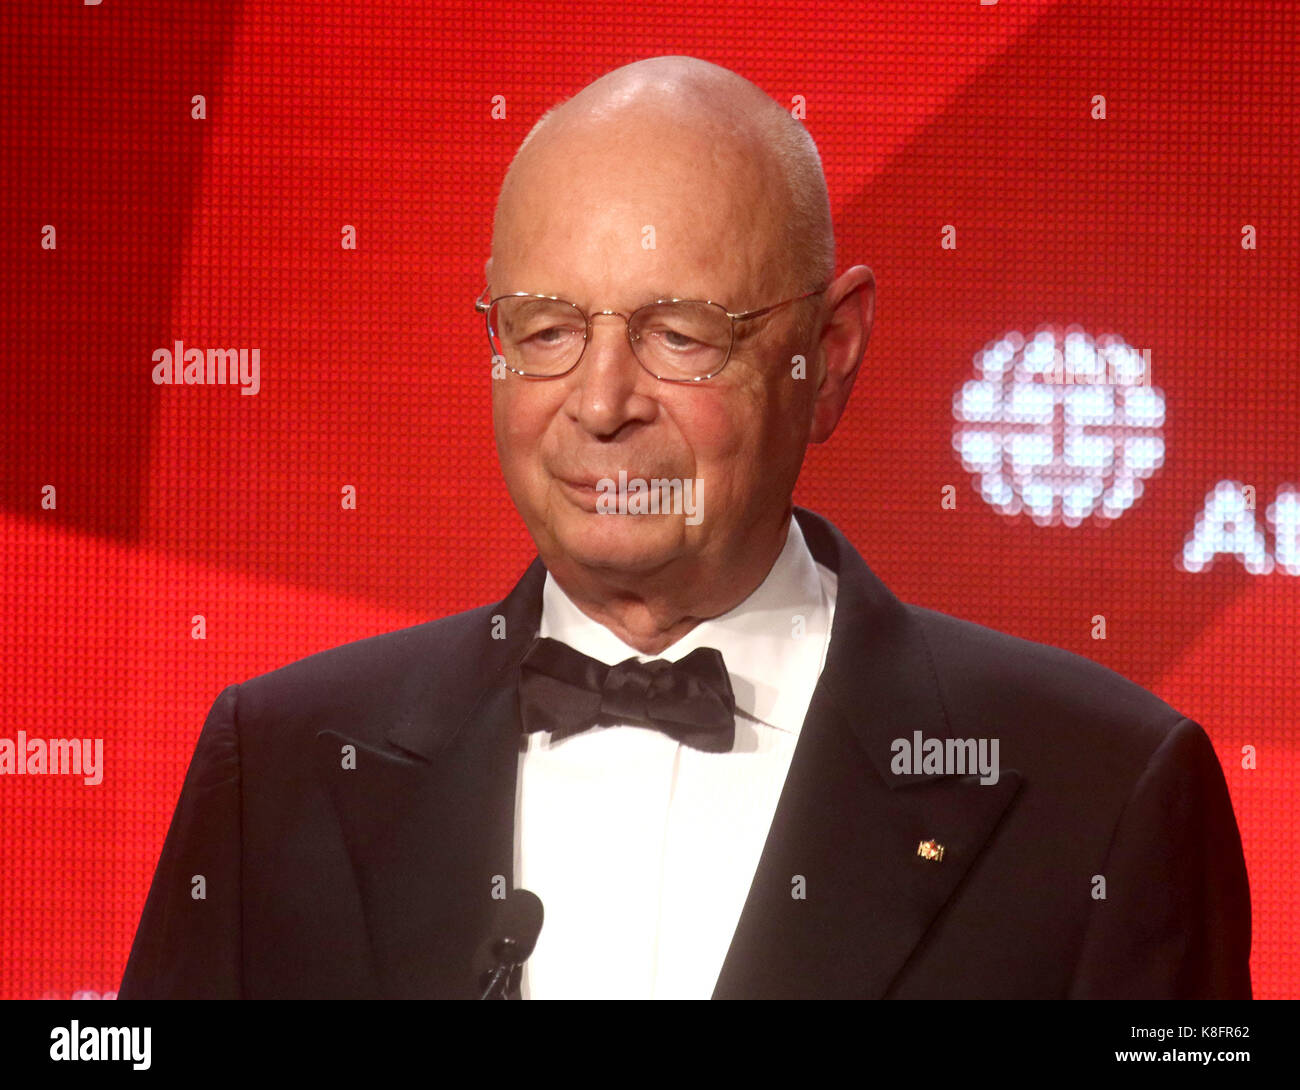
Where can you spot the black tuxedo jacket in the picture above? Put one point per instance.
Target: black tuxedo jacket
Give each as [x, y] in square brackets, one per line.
[322, 880]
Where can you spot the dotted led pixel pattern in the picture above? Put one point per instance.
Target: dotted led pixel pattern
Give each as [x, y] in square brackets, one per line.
[177, 502]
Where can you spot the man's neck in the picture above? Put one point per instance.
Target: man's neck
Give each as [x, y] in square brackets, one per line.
[653, 613]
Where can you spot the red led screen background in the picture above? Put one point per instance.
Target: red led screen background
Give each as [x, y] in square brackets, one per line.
[1171, 221]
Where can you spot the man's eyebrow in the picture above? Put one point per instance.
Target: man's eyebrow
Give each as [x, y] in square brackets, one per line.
[668, 293]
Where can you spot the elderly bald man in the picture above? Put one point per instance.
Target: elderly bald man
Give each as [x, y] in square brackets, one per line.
[728, 760]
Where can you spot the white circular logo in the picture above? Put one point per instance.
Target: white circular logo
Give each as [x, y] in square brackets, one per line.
[1060, 426]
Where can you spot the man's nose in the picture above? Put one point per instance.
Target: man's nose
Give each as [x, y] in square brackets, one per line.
[612, 388]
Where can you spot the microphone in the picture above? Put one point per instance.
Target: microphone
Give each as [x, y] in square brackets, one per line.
[518, 923]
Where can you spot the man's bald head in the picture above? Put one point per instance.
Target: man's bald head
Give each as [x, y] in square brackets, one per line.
[739, 124]
[668, 177]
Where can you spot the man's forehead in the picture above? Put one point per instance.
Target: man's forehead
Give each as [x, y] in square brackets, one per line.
[646, 150]
[680, 226]
[600, 280]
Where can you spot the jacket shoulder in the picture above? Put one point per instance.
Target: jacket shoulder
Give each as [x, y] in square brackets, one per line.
[999, 678]
[389, 669]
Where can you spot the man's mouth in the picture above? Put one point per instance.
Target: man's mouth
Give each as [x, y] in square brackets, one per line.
[605, 482]
[586, 491]
[581, 491]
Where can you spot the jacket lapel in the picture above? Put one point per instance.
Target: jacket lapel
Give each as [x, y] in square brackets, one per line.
[428, 818]
[840, 897]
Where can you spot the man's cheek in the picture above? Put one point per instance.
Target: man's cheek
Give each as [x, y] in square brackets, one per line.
[715, 427]
[517, 424]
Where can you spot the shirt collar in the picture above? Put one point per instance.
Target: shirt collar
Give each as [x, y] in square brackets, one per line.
[774, 642]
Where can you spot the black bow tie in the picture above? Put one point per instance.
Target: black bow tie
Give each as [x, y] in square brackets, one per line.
[564, 691]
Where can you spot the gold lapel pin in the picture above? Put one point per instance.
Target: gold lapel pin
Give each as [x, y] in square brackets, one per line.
[930, 849]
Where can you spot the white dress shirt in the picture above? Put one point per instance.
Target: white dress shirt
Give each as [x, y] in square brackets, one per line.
[643, 849]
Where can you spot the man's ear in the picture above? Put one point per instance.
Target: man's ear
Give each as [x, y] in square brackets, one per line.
[844, 337]
[487, 271]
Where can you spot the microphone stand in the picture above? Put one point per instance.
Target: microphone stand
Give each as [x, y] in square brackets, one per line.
[505, 978]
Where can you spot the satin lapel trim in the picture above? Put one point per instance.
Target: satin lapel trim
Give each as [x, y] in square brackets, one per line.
[429, 842]
[846, 829]
[846, 844]
[429, 824]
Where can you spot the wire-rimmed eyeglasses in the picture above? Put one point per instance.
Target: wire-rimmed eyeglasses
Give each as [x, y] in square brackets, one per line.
[676, 340]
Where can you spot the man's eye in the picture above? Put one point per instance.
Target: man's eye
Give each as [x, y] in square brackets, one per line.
[551, 335]
[679, 342]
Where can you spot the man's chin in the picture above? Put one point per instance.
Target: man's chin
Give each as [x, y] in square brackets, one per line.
[620, 543]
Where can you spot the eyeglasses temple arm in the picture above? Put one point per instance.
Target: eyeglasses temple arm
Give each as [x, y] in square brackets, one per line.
[765, 310]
